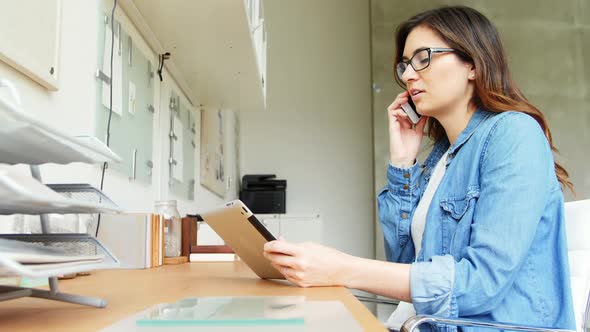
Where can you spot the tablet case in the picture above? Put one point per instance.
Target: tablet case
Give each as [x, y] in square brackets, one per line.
[245, 234]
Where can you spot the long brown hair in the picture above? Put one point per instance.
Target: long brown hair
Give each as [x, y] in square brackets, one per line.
[478, 42]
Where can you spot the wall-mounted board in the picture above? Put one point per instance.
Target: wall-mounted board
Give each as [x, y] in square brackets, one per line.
[30, 38]
[131, 128]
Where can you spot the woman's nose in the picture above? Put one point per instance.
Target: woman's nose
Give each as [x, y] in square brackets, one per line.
[409, 74]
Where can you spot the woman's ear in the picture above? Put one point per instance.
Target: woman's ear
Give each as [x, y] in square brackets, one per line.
[471, 75]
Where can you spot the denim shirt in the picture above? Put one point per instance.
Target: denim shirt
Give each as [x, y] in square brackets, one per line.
[494, 244]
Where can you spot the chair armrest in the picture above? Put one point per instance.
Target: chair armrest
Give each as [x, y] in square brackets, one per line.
[415, 321]
[586, 314]
[376, 300]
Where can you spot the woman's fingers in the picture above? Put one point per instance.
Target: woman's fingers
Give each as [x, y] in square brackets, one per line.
[313, 265]
[398, 113]
[281, 268]
[401, 118]
[399, 100]
[292, 275]
[282, 247]
[284, 254]
[281, 259]
[397, 104]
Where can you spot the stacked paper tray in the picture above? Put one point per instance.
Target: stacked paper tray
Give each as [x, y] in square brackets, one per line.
[24, 195]
[91, 255]
[26, 140]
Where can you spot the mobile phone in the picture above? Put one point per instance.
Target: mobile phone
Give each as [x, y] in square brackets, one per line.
[410, 110]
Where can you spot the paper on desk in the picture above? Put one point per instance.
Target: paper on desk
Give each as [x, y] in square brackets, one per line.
[23, 258]
[177, 153]
[117, 75]
[32, 253]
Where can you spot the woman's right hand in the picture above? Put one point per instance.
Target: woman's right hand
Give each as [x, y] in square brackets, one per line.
[404, 139]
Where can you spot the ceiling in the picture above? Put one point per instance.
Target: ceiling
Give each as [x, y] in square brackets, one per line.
[211, 47]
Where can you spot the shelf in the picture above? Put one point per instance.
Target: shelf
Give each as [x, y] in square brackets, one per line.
[227, 73]
[25, 195]
[26, 140]
[73, 244]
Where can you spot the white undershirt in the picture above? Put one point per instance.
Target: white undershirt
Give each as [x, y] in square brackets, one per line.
[406, 310]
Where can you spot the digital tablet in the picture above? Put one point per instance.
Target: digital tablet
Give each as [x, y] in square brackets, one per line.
[245, 234]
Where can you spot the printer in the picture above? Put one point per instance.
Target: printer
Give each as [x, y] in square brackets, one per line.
[263, 194]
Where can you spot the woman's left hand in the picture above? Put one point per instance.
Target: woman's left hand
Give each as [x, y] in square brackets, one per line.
[308, 264]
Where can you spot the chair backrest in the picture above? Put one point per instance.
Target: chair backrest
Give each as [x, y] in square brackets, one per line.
[577, 220]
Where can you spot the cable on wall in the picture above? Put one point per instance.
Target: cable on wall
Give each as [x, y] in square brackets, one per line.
[108, 138]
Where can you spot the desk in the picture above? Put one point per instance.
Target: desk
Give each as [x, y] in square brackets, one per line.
[131, 291]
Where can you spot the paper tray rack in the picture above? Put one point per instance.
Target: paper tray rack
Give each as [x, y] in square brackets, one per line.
[74, 244]
[27, 140]
[25, 195]
[24, 139]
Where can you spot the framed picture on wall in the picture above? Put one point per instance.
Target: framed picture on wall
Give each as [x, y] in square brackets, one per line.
[212, 151]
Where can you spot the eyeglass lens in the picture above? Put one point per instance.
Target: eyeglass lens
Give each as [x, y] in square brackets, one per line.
[418, 61]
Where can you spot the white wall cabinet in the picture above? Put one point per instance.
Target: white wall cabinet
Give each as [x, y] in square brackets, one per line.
[294, 228]
[218, 48]
[271, 222]
[231, 154]
[255, 11]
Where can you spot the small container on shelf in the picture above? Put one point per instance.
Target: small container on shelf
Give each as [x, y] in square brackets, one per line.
[172, 227]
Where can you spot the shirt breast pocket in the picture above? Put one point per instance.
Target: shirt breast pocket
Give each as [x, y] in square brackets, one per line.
[457, 214]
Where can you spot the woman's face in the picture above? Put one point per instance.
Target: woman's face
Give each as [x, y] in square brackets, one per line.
[442, 86]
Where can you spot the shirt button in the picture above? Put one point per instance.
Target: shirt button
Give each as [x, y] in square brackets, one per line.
[406, 187]
[404, 215]
[406, 175]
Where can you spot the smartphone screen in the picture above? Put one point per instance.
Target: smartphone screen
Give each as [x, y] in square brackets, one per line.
[411, 102]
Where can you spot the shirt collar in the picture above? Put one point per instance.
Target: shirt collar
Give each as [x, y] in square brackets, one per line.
[477, 118]
[442, 145]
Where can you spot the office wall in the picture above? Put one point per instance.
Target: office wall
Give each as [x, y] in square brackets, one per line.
[72, 108]
[316, 132]
[547, 44]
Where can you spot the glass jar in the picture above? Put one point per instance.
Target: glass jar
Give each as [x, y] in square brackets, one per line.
[172, 227]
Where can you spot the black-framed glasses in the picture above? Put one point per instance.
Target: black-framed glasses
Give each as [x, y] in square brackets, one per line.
[420, 60]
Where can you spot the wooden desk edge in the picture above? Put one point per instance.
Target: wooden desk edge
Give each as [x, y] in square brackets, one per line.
[131, 291]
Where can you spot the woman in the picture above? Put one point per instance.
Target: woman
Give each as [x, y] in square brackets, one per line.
[476, 231]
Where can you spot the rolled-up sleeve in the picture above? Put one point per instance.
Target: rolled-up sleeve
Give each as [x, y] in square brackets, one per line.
[397, 202]
[432, 286]
[517, 175]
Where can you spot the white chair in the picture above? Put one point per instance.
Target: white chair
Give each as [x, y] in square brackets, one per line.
[577, 220]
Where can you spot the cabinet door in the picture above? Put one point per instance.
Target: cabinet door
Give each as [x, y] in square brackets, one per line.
[303, 228]
[271, 222]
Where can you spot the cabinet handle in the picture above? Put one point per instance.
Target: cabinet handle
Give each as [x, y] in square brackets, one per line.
[134, 165]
